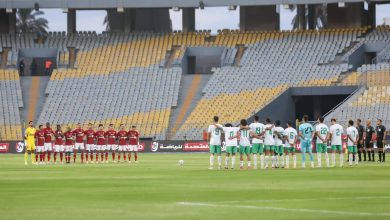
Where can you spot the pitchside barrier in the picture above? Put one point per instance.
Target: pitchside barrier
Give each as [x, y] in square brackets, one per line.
[164, 146]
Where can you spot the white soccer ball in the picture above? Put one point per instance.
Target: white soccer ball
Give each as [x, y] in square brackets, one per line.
[181, 163]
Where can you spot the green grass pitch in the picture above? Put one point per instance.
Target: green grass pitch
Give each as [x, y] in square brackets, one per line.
[157, 188]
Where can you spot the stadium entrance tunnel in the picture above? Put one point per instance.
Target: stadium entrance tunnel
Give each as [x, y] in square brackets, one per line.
[38, 61]
[201, 59]
[312, 101]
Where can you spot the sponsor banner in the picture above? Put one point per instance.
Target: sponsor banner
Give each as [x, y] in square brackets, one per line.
[196, 147]
[166, 146]
[4, 147]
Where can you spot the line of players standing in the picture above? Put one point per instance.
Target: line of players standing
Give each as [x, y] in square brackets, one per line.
[272, 141]
[87, 142]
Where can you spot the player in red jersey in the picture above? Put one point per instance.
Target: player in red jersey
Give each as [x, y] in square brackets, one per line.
[49, 133]
[90, 145]
[133, 143]
[100, 143]
[59, 144]
[122, 143]
[40, 138]
[69, 142]
[79, 145]
[111, 142]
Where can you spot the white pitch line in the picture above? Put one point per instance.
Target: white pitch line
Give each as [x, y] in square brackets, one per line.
[283, 209]
[307, 199]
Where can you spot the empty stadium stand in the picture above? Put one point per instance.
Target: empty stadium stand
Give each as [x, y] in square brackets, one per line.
[135, 78]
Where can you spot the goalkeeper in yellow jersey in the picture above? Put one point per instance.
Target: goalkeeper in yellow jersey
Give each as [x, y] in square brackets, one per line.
[30, 143]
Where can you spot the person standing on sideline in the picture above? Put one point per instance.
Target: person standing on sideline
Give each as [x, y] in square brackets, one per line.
[214, 139]
[322, 147]
[380, 136]
[360, 144]
[353, 137]
[306, 134]
[335, 135]
[369, 142]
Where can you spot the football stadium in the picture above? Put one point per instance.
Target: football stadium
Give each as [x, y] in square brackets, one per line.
[280, 111]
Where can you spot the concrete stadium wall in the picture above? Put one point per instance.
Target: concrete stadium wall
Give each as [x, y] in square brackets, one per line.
[259, 18]
[283, 107]
[352, 15]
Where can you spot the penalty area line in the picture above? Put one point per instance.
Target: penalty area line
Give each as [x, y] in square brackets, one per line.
[282, 209]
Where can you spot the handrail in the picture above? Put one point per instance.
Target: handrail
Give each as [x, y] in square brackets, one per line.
[341, 103]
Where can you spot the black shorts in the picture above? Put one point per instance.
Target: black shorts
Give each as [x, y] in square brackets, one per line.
[359, 145]
[369, 144]
[379, 144]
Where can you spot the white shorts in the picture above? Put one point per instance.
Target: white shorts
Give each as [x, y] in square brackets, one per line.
[90, 147]
[68, 148]
[59, 148]
[110, 147]
[79, 146]
[122, 147]
[40, 149]
[48, 147]
[100, 147]
[133, 148]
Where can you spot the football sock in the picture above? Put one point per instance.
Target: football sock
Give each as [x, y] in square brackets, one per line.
[273, 160]
[233, 161]
[350, 159]
[36, 157]
[241, 163]
[287, 160]
[356, 161]
[211, 161]
[113, 156]
[48, 156]
[55, 156]
[124, 156]
[311, 156]
[43, 156]
[303, 157]
[295, 161]
[282, 160]
[353, 157]
[102, 156]
[106, 155]
[226, 161]
[369, 155]
[341, 159]
[61, 156]
[333, 159]
[129, 156]
[319, 159]
[262, 161]
[266, 158]
[119, 156]
[255, 160]
[135, 157]
[380, 155]
[74, 156]
[373, 155]
[383, 157]
[219, 158]
[33, 157]
[97, 156]
[249, 163]
[91, 156]
[360, 155]
[327, 159]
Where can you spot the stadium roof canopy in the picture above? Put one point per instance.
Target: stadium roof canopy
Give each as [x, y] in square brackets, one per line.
[103, 4]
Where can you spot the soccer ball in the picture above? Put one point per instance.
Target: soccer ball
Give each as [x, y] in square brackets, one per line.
[181, 163]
